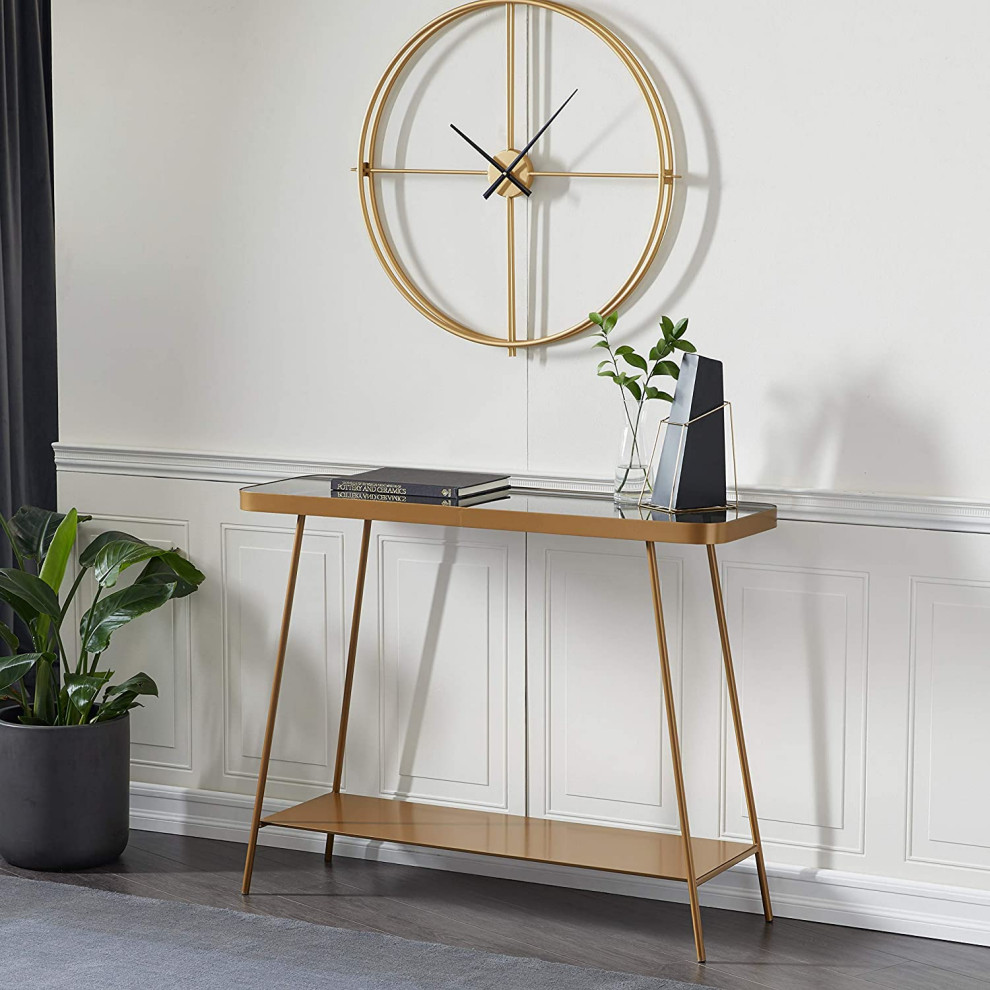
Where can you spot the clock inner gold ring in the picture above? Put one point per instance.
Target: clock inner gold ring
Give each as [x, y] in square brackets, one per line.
[370, 171]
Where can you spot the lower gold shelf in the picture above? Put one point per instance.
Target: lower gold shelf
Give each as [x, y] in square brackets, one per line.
[596, 847]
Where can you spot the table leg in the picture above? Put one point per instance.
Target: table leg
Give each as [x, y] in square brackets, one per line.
[675, 753]
[730, 679]
[266, 749]
[345, 703]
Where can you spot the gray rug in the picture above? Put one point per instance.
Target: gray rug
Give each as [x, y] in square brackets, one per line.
[56, 936]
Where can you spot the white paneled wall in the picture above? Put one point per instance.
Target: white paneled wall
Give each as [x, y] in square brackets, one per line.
[520, 672]
[451, 665]
[800, 654]
[597, 732]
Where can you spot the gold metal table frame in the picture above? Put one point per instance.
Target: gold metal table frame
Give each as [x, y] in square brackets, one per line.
[620, 850]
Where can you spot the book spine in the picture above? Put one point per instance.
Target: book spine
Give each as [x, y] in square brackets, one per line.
[343, 486]
[386, 497]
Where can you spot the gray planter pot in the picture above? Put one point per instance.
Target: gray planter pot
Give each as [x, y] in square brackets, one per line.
[63, 793]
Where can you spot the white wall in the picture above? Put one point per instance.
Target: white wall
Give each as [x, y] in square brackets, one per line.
[217, 293]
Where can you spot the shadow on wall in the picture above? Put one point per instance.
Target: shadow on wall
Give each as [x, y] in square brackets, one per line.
[853, 436]
[850, 438]
[710, 183]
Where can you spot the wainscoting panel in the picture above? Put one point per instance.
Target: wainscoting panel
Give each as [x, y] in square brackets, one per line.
[598, 736]
[950, 731]
[158, 644]
[799, 647]
[452, 666]
[255, 566]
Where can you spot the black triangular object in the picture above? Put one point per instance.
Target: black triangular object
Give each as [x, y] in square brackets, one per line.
[691, 473]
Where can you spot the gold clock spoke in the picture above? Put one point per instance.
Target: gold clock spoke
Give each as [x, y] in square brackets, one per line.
[510, 73]
[511, 267]
[368, 170]
[605, 175]
[510, 127]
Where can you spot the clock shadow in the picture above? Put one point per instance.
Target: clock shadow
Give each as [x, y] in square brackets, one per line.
[709, 182]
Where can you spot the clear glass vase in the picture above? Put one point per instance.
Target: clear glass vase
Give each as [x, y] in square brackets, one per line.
[633, 464]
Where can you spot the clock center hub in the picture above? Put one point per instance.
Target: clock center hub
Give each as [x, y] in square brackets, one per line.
[523, 172]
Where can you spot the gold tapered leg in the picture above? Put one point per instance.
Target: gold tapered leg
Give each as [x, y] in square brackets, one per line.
[345, 702]
[730, 680]
[675, 753]
[266, 749]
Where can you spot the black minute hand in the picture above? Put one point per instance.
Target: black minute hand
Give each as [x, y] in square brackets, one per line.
[507, 172]
[488, 158]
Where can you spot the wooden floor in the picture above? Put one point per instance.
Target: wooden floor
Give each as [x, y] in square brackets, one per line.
[586, 929]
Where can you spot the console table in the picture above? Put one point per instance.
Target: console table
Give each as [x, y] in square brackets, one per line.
[672, 857]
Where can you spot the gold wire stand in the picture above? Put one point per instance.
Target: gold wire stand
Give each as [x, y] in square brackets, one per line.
[669, 507]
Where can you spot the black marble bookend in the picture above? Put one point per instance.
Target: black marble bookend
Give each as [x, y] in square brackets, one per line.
[691, 472]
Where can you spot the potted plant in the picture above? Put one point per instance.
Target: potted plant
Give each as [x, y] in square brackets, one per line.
[65, 729]
[636, 388]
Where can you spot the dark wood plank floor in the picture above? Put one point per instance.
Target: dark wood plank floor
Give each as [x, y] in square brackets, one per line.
[583, 928]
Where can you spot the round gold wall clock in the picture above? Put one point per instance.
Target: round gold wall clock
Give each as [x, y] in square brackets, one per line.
[513, 173]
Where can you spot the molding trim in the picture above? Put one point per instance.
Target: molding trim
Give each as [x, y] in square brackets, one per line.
[956, 914]
[850, 508]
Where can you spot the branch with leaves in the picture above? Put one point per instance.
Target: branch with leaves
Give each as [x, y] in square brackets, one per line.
[65, 693]
[648, 369]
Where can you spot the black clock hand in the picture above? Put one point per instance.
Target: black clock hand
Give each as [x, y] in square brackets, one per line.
[481, 151]
[507, 172]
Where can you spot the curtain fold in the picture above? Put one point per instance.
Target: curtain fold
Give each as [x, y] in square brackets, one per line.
[28, 369]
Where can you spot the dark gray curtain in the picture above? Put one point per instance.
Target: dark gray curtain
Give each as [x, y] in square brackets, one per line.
[28, 385]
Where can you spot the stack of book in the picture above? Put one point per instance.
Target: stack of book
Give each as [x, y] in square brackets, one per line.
[419, 485]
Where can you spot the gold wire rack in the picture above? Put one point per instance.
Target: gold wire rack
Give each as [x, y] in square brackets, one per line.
[663, 426]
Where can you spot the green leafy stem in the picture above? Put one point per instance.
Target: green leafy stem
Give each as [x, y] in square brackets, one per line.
[647, 370]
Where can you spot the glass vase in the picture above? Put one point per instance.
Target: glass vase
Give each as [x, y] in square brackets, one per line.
[632, 466]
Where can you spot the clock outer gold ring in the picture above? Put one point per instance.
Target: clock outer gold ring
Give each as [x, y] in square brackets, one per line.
[369, 146]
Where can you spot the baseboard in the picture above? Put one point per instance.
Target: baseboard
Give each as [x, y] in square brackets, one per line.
[957, 914]
[851, 508]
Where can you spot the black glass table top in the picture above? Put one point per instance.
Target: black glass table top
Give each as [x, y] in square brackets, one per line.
[520, 510]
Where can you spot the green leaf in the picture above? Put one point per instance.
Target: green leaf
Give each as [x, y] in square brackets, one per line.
[634, 389]
[28, 595]
[601, 364]
[601, 343]
[636, 361]
[117, 556]
[610, 322]
[116, 610]
[680, 327]
[88, 556]
[9, 637]
[119, 705]
[83, 689]
[596, 318]
[655, 353]
[59, 550]
[140, 683]
[44, 692]
[623, 350]
[34, 529]
[12, 669]
[667, 326]
[666, 368]
[31, 720]
[683, 345]
[608, 373]
[655, 393]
